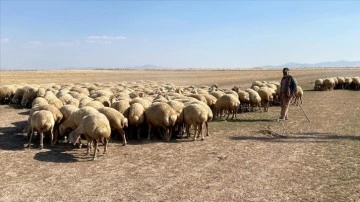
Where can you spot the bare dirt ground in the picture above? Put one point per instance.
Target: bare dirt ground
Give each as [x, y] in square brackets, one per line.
[242, 160]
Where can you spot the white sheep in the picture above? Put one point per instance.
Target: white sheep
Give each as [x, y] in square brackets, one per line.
[228, 103]
[75, 118]
[42, 121]
[136, 117]
[255, 99]
[318, 84]
[122, 106]
[160, 115]
[196, 115]
[95, 127]
[266, 95]
[117, 120]
[7, 92]
[39, 101]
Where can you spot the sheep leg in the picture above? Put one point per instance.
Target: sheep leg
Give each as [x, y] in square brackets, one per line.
[41, 140]
[195, 129]
[56, 134]
[96, 148]
[200, 131]
[52, 137]
[149, 131]
[105, 145]
[187, 130]
[31, 134]
[123, 136]
[207, 129]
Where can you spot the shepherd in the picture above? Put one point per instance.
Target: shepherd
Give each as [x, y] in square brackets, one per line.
[288, 86]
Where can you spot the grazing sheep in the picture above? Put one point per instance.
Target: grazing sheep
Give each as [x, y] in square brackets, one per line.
[57, 115]
[266, 97]
[160, 115]
[95, 104]
[19, 94]
[95, 127]
[116, 119]
[217, 94]
[75, 118]
[210, 115]
[244, 98]
[66, 110]
[39, 101]
[318, 84]
[104, 100]
[194, 114]
[328, 84]
[355, 83]
[40, 92]
[144, 102]
[56, 102]
[255, 99]
[136, 117]
[122, 106]
[42, 121]
[229, 103]
[7, 92]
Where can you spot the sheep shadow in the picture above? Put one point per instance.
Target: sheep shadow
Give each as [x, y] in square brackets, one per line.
[56, 155]
[237, 120]
[271, 136]
[12, 138]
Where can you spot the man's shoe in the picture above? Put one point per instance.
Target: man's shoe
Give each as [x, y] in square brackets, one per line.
[281, 119]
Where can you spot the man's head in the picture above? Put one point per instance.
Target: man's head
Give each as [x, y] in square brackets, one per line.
[285, 71]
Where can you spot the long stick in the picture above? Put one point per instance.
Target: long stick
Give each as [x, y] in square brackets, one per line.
[304, 113]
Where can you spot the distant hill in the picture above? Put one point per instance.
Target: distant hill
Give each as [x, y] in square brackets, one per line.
[341, 63]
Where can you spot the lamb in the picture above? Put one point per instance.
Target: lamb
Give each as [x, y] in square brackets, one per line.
[229, 103]
[42, 121]
[136, 117]
[95, 127]
[194, 114]
[160, 115]
[116, 119]
[7, 92]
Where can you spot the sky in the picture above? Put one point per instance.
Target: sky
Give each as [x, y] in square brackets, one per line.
[176, 34]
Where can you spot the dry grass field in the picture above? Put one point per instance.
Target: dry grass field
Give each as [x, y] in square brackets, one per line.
[244, 159]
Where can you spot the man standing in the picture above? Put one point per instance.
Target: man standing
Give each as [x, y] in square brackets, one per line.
[288, 87]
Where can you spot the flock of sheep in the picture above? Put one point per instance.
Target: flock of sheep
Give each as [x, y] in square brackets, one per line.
[325, 84]
[98, 111]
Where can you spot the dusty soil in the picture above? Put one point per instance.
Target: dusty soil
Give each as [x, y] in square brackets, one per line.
[246, 159]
